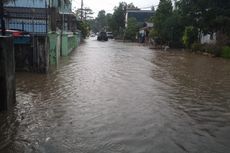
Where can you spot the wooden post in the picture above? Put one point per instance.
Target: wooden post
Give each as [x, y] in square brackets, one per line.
[7, 73]
[2, 18]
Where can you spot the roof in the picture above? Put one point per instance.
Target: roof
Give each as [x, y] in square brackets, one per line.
[139, 11]
[27, 3]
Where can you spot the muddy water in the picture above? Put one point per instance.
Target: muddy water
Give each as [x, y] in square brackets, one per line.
[111, 97]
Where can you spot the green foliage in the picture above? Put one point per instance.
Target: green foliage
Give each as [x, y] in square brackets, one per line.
[132, 29]
[131, 6]
[117, 22]
[197, 47]
[190, 36]
[101, 20]
[212, 49]
[111, 22]
[225, 52]
[207, 15]
[153, 33]
[168, 24]
[84, 28]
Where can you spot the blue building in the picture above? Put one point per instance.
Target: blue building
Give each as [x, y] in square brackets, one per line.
[34, 15]
[52, 28]
[27, 15]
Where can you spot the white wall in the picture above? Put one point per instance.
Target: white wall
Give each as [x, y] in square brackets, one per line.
[207, 39]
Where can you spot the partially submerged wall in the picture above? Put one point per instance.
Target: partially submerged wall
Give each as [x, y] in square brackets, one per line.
[32, 57]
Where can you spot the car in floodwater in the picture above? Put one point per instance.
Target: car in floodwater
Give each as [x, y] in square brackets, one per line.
[102, 36]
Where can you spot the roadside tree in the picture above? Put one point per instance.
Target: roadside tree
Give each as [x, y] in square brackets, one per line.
[132, 29]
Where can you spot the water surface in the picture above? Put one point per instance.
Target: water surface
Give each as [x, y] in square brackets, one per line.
[114, 97]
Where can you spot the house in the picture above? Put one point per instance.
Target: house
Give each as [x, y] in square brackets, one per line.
[30, 16]
[141, 16]
[52, 25]
[144, 32]
[34, 16]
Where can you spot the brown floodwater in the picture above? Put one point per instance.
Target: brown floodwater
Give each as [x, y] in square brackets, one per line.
[114, 97]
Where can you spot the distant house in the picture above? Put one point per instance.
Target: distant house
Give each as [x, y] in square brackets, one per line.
[141, 16]
[208, 38]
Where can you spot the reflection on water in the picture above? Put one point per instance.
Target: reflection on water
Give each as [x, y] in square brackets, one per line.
[111, 97]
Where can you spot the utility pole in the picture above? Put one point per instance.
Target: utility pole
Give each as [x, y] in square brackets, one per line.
[81, 9]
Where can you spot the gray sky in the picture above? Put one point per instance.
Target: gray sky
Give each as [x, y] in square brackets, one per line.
[108, 5]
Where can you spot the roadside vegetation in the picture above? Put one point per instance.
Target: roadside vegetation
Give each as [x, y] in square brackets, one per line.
[189, 19]
[110, 22]
[177, 24]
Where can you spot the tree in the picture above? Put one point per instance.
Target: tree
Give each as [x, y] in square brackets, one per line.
[101, 20]
[132, 29]
[108, 20]
[131, 6]
[207, 15]
[162, 20]
[190, 36]
[87, 13]
[117, 23]
[83, 26]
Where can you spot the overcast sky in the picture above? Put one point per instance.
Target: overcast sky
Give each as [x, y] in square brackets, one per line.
[108, 5]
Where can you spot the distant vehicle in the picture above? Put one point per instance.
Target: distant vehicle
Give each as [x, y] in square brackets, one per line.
[92, 35]
[102, 36]
[16, 33]
[110, 35]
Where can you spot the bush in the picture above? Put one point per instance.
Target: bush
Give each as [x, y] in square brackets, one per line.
[190, 36]
[84, 28]
[131, 30]
[225, 52]
[196, 47]
[213, 49]
[153, 33]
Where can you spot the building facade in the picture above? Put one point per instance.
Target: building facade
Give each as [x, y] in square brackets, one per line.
[141, 16]
[38, 17]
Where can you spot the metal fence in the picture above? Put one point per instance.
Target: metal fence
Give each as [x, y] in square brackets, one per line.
[38, 27]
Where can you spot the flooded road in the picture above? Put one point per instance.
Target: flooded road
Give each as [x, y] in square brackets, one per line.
[113, 97]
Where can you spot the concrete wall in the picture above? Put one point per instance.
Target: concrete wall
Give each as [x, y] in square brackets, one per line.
[69, 42]
[62, 45]
[40, 54]
[32, 57]
[7, 73]
[208, 39]
[54, 47]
